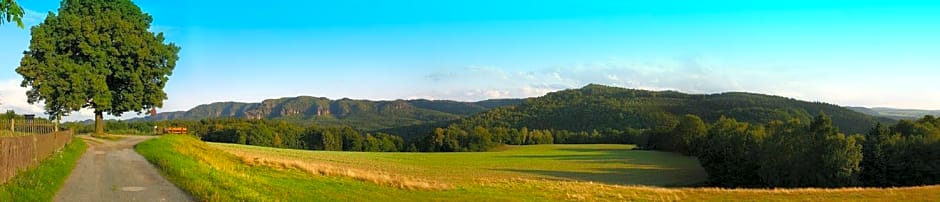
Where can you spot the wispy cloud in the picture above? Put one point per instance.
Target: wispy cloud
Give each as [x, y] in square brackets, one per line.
[168, 30]
[697, 75]
[32, 17]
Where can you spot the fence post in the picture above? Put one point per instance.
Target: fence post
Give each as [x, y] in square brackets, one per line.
[12, 126]
[35, 149]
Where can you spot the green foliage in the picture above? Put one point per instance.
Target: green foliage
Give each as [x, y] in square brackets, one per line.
[41, 183]
[789, 154]
[905, 154]
[463, 138]
[97, 54]
[10, 114]
[689, 131]
[795, 155]
[728, 153]
[11, 12]
[283, 134]
[113, 127]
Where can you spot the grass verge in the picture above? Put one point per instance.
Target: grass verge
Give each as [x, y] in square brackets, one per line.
[109, 137]
[42, 182]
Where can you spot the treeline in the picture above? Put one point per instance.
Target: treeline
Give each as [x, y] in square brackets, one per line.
[268, 133]
[815, 154]
[282, 134]
[464, 138]
[113, 126]
[670, 135]
[907, 153]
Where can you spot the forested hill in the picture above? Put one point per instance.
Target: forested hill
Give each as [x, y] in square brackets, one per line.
[362, 114]
[598, 107]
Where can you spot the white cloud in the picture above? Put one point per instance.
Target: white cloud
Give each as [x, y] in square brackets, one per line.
[13, 97]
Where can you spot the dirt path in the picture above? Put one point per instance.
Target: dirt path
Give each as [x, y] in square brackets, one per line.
[113, 171]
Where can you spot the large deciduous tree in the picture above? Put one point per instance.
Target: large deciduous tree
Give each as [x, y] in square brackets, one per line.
[690, 130]
[97, 54]
[11, 12]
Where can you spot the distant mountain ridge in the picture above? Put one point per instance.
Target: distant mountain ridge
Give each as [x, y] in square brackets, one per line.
[895, 113]
[589, 108]
[363, 114]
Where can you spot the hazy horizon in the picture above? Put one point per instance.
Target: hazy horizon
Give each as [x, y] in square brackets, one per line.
[851, 53]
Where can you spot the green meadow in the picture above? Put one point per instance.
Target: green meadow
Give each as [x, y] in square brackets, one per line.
[224, 172]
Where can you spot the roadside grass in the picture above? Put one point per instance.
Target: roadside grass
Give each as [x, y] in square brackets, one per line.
[42, 182]
[213, 174]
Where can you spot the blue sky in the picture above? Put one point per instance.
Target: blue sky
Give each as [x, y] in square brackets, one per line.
[855, 53]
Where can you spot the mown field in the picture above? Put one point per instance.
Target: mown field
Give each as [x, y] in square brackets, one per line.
[223, 172]
[609, 164]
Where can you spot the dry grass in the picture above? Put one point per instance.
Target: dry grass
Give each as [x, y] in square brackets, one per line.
[588, 191]
[377, 177]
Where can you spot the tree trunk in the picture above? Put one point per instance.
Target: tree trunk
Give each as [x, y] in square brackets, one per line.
[99, 124]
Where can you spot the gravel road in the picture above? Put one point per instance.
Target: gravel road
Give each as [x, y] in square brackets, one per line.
[113, 171]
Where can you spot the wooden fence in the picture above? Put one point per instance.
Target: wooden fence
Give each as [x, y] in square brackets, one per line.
[27, 149]
[25, 127]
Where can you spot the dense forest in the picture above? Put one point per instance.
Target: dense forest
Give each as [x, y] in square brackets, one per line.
[601, 107]
[816, 154]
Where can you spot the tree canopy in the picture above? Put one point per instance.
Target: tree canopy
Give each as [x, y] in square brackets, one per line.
[97, 54]
[11, 12]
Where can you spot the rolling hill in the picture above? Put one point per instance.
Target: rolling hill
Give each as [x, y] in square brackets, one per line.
[598, 107]
[363, 114]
